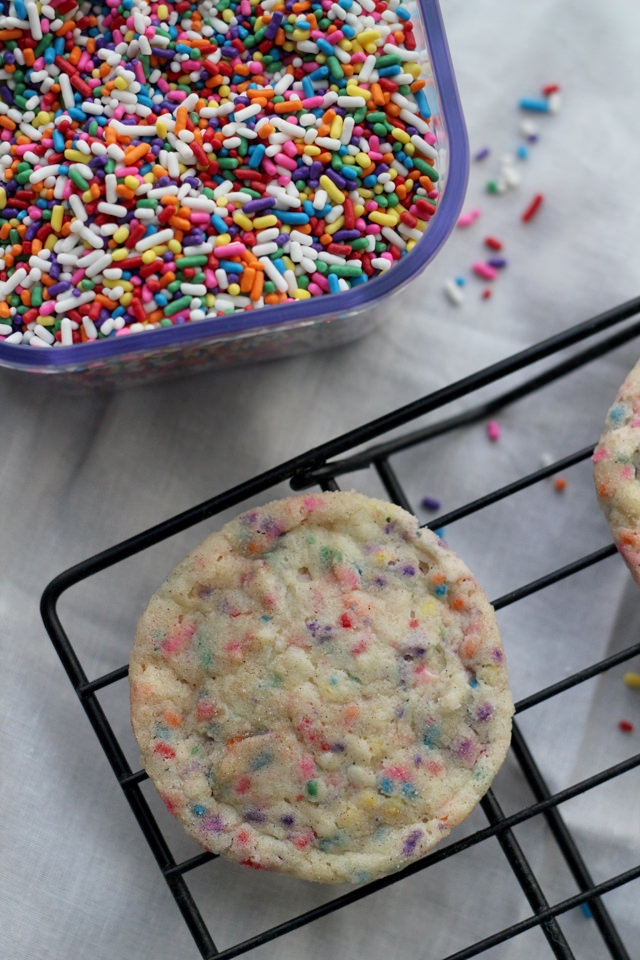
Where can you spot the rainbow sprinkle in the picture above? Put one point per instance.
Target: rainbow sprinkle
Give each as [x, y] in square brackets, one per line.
[165, 162]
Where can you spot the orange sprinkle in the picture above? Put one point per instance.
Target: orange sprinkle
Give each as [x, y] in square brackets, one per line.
[289, 106]
[246, 280]
[133, 154]
[181, 120]
[559, 484]
[257, 284]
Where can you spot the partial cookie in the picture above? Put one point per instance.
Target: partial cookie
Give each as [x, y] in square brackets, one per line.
[320, 689]
[616, 465]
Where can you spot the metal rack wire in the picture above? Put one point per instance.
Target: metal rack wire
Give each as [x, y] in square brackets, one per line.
[321, 466]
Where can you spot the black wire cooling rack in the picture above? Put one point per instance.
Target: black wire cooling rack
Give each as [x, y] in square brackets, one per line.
[366, 448]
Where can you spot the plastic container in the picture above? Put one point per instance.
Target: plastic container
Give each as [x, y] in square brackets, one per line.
[278, 331]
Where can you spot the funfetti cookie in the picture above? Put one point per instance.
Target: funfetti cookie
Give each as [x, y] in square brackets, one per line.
[616, 464]
[320, 689]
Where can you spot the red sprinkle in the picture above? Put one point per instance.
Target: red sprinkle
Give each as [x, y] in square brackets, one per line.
[560, 484]
[550, 88]
[493, 243]
[533, 208]
[626, 726]
[486, 294]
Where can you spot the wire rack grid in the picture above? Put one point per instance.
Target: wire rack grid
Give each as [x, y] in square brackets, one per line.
[366, 448]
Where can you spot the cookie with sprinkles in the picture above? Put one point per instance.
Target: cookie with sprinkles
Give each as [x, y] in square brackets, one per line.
[320, 689]
[616, 462]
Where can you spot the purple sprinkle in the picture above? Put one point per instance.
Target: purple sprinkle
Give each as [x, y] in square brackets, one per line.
[214, 823]
[465, 748]
[408, 570]
[288, 820]
[254, 816]
[410, 842]
[484, 711]
[497, 262]
[430, 503]
[482, 154]
[262, 203]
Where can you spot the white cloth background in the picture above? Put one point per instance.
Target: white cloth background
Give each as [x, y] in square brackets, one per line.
[80, 473]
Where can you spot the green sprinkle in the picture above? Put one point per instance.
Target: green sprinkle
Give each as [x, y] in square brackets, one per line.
[197, 260]
[78, 179]
[312, 788]
[180, 304]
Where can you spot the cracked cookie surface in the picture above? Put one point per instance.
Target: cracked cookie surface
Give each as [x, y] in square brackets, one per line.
[320, 689]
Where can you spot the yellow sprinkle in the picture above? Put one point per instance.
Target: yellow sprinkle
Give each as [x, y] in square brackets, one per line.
[354, 91]
[150, 255]
[301, 294]
[210, 300]
[242, 220]
[393, 173]
[121, 234]
[409, 149]
[132, 182]
[289, 264]
[3, 198]
[400, 135]
[46, 321]
[227, 16]
[300, 34]
[368, 36]
[225, 89]
[413, 69]
[429, 608]
[358, 209]
[120, 83]
[338, 224]
[175, 246]
[161, 129]
[363, 160]
[411, 244]
[51, 241]
[163, 11]
[632, 680]
[334, 193]
[56, 217]
[126, 299]
[262, 223]
[129, 36]
[222, 239]
[149, 178]
[233, 289]
[75, 155]
[336, 128]
[311, 150]
[121, 254]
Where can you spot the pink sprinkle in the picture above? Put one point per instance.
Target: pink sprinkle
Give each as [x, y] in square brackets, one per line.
[468, 218]
[493, 430]
[485, 271]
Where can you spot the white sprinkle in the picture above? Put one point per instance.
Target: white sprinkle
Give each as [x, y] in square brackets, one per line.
[221, 277]
[77, 206]
[98, 265]
[66, 332]
[43, 333]
[320, 199]
[274, 274]
[367, 69]
[66, 91]
[43, 173]
[194, 289]
[89, 328]
[5, 329]
[15, 337]
[154, 240]
[264, 249]
[62, 306]
[414, 121]
[393, 237]
[283, 83]
[453, 292]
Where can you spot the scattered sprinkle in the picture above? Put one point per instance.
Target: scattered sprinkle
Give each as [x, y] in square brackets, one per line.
[493, 430]
[533, 208]
[626, 726]
[430, 503]
[632, 680]
[586, 909]
[454, 292]
[560, 484]
[484, 270]
[466, 219]
[534, 104]
[493, 243]
[481, 154]
[486, 294]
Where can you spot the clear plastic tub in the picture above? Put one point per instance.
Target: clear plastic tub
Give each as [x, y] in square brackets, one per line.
[283, 330]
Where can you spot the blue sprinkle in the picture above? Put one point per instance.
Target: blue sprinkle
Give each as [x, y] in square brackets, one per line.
[403, 14]
[198, 810]
[21, 10]
[409, 790]
[334, 284]
[385, 786]
[325, 46]
[461, 281]
[307, 87]
[219, 223]
[423, 103]
[292, 217]
[279, 264]
[522, 152]
[533, 104]
[586, 910]
[440, 590]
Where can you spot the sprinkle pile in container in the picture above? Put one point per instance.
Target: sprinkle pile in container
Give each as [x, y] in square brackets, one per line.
[165, 162]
